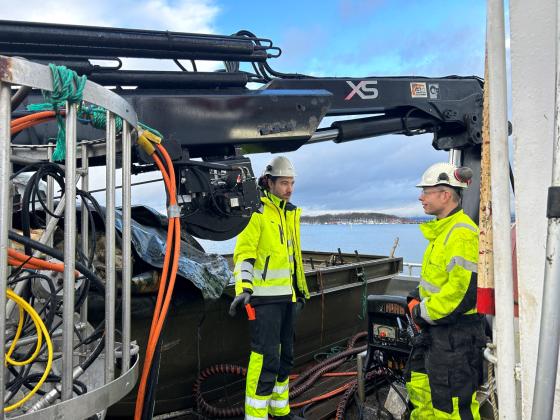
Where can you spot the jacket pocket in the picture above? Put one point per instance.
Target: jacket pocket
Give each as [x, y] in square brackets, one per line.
[265, 269]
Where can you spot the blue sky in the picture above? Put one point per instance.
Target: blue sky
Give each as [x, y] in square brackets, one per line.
[328, 38]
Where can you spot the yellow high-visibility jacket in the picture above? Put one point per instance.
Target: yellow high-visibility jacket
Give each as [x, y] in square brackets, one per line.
[267, 256]
[449, 269]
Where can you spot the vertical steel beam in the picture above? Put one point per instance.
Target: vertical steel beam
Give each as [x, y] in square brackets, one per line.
[501, 220]
[126, 245]
[50, 193]
[549, 335]
[85, 220]
[5, 211]
[110, 249]
[69, 253]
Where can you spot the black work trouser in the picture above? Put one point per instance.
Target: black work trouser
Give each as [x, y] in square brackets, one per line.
[272, 356]
[451, 358]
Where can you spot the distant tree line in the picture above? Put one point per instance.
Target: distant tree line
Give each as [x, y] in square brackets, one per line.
[359, 218]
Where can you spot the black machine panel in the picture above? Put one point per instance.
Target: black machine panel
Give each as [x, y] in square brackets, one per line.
[390, 331]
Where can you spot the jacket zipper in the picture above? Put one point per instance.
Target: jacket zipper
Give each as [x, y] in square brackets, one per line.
[281, 234]
[265, 268]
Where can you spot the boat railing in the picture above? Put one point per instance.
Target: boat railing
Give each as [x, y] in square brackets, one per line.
[411, 269]
[60, 401]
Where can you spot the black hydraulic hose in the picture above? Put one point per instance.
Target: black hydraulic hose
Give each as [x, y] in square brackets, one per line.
[326, 366]
[55, 253]
[34, 35]
[94, 354]
[153, 376]
[340, 356]
[296, 387]
[202, 406]
[344, 401]
[19, 96]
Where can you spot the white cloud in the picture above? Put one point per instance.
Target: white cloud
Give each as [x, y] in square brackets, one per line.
[184, 16]
[193, 16]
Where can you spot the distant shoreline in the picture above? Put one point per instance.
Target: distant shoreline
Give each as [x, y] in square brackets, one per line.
[360, 218]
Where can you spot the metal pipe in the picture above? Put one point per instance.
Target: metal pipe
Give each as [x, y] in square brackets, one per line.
[50, 193]
[169, 79]
[488, 355]
[84, 226]
[61, 53]
[361, 376]
[323, 135]
[455, 156]
[5, 211]
[498, 124]
[102, 37]
[69, 253]
[549, 333]
[126, 245]
[110, 249]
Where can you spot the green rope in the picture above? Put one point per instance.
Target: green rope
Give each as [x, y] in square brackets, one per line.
[67, 87]
[97, 117]
[153, 130]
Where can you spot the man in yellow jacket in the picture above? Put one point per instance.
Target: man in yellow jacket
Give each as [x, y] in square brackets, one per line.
[445, 367]
[269, 277]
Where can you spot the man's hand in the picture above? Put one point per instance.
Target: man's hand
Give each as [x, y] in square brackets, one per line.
[300, 304]
[411, 305]
[241, 299]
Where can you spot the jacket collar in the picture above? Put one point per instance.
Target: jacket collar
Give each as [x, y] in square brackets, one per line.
[278, 202]
[434, 228]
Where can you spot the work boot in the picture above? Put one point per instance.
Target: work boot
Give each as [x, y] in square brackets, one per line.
[290, 416]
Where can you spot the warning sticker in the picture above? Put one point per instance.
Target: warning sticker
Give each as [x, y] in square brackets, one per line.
[418, 90]
[433, 90]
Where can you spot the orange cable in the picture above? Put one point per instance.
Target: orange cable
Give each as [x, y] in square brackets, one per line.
[321, 397]
[160, 312]
[34, 263]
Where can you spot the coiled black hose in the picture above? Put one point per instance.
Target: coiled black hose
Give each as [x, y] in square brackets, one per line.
[309, 377]
[202, 405]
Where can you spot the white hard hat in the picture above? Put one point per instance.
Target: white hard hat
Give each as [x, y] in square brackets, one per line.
[280, 166]
[446, 174]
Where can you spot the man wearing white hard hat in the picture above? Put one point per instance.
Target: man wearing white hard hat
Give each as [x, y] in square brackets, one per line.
[270, 282]
[445, 367]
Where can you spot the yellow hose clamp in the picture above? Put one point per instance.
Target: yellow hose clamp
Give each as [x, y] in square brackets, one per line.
[151, 136]
[173, 211]
[146, 145]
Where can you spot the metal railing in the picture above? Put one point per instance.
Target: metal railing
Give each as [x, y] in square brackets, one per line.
[411, 269]
[18, 72]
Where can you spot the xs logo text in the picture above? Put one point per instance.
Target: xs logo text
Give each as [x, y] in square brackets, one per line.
[365, 89]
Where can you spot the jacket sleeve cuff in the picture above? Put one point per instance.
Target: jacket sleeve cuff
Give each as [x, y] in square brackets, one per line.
[417, 317]
[414, 294]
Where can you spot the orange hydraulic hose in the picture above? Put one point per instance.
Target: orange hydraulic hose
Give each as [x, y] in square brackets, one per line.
[321, 397]
[162, 303]
[35, 263]
[35, 116]
[30, 120]
[159, 301]
[328, 374]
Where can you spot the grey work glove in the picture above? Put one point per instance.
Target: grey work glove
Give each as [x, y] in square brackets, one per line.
[243, 299]
[300, 304]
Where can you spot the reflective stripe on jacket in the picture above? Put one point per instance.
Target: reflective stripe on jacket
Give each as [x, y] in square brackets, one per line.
[449, 269]
[267, 253]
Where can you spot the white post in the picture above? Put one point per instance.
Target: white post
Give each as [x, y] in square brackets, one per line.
[533, 32]
[503, 277]
[549, 334]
